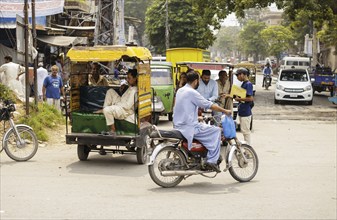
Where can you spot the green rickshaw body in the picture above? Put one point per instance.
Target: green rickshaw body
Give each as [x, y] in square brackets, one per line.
[163, 89]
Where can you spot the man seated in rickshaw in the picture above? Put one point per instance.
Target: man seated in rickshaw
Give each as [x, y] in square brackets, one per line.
[120, 107]
[96, 78]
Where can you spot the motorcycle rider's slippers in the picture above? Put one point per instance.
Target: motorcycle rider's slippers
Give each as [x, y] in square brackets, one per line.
[214, 167]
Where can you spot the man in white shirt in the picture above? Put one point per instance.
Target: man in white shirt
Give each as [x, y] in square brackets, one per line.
[41, 74]
[208, 88]
[9, 75]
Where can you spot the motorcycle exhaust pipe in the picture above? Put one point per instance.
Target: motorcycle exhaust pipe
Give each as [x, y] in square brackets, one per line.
[182, 172]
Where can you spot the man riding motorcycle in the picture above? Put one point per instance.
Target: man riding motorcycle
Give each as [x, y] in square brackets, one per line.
[185, 119]
[267, 71]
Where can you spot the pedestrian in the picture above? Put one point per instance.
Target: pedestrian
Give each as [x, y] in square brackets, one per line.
[53, 88]
[41, 74]
[245, 104]
[9, 75]
[223, 87]
[182, 81]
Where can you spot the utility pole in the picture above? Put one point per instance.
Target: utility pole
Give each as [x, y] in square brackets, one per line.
[26, 56]
[314, 47]
[35, 46]
[167, 33]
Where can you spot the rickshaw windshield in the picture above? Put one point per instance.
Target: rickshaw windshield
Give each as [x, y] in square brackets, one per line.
[161, 77]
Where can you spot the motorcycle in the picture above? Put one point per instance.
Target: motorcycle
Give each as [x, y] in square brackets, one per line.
[267, 81]
[171, 161]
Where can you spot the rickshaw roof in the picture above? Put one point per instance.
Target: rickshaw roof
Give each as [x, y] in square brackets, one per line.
[107, 53]
[205, 65]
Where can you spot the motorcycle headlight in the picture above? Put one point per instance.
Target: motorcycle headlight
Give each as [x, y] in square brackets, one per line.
[279, 87]
[307, 88]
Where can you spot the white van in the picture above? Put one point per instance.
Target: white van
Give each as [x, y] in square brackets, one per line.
[295, 62]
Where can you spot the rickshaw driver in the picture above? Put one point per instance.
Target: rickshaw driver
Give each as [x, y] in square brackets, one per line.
[185, 119]
[120, 107]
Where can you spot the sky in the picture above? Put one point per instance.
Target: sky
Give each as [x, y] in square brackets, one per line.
[232, 21]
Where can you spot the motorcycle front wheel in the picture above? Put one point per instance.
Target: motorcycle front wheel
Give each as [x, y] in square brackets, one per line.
[21, 151]
[167, 159]
[244, 171]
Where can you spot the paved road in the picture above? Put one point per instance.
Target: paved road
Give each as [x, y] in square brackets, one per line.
[296, 178]
[264, 108]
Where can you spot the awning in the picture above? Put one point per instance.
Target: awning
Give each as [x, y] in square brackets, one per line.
[81, 28]
[63, 41]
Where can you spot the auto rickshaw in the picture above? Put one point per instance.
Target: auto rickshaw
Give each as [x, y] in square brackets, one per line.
[252, 68]
[163, 89]
[87, 127]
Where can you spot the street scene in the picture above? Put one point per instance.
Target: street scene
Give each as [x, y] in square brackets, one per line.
[168, 109]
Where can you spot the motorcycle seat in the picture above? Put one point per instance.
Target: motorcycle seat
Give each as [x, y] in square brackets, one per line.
[167, 134]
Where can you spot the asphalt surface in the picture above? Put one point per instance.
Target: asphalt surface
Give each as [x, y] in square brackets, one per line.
[296, 178]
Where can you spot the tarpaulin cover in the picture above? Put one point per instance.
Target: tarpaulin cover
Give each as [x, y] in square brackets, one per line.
[63, 41]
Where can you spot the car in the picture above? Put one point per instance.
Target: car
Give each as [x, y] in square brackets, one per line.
[294, 85]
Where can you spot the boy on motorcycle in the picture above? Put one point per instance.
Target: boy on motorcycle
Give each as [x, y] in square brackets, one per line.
[185, 119]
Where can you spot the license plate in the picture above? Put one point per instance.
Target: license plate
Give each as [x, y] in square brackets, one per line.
[293, 95]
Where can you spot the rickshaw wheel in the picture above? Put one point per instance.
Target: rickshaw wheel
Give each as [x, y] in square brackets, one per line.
[83, 152]
[142, 151]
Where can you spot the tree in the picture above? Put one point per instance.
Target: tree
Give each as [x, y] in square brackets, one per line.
[251, 41]
[226, 41]
[278, 39]
[137, 9]
[186, 28]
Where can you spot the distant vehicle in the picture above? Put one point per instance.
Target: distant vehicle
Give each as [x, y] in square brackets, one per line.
[324, 79]
[159, 59]
[293, 85]
[183, 54]
[295, 62]
[333, 98]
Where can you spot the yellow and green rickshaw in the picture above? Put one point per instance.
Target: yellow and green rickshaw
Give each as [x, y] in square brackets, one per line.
[132, 137]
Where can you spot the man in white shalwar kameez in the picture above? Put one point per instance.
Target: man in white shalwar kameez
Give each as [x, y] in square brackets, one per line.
[185, 119]
[120, 107]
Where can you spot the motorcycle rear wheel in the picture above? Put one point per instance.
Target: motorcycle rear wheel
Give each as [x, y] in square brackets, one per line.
[167, 159]
[241, 171]
[21, 151]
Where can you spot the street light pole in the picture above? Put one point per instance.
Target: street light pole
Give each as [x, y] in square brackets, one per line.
[26, 57]
[167, 33]
[35, 46]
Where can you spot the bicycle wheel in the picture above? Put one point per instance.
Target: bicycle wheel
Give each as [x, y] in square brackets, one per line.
[168, 159]
[21, 151]
[241, 171]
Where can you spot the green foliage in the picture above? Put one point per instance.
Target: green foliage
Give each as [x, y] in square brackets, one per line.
[186, 28]
[251, 41]
[278, 38]
[6, 93]
[226, 41]
[45, 116]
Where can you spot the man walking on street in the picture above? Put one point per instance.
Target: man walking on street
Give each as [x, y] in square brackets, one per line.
[53, 88]
[246, 104]
[41, 74]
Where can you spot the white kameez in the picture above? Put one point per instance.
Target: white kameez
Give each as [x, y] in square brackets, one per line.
[119, 107]
[185, 120]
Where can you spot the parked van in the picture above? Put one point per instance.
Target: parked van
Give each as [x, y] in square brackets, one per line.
[295, 62]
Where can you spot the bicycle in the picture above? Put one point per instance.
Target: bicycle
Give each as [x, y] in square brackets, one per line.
[19, 141]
